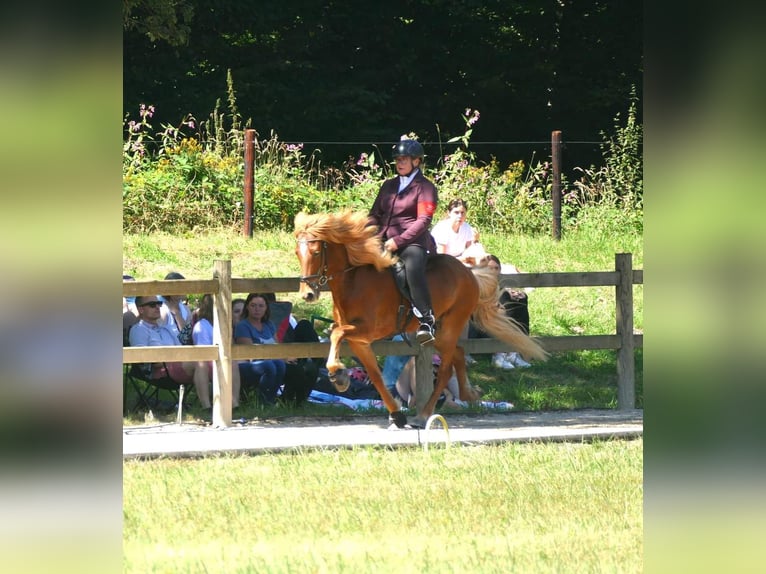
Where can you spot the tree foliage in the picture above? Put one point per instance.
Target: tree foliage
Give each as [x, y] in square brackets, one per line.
[333, 71]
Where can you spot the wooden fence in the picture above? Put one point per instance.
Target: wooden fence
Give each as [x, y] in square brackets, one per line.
[222, 352]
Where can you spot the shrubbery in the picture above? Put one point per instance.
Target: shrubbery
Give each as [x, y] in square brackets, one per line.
[179, 179]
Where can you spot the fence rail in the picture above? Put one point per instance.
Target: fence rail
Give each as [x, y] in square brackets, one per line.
[222, 352]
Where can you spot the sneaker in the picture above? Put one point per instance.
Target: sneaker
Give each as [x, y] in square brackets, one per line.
[498, 360]
[517, 361]
[508, 364]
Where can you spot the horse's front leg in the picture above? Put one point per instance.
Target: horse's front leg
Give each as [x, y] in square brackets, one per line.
[364, 353]
[335, 369]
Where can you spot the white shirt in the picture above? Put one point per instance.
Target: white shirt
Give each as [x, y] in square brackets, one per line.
[405, 180]
[454, 242]
[202, 333]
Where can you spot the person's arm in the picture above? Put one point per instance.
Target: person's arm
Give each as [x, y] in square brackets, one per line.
[202, 334]
[375, 216]
[439, 237]
[472, 234]
[138, 336]
[242, 335]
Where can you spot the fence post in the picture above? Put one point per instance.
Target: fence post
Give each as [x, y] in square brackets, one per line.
[626, 375]
[249, 188]
[556, 190]
[424, 376]
[222, 335]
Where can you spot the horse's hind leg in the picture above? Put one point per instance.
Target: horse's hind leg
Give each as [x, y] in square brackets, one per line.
[364, 353]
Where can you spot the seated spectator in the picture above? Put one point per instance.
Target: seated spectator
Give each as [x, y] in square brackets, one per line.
[515, 303]
[237, 305]
[150, 331]
[202, 334]
[176, 314]
[256, 327]
[129, 312]
[453, 235]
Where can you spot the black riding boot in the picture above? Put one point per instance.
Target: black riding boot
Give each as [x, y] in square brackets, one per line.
[427, 329]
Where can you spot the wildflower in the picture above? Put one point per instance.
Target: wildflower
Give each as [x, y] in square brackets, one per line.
[190, 123]
[475, 118]
[294, 147]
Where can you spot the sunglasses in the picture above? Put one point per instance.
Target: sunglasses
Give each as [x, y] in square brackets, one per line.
[152, 304]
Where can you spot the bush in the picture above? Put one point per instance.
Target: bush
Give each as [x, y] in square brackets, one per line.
[176, 181]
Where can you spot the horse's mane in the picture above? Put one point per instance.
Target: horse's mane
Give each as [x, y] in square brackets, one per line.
[350, 229]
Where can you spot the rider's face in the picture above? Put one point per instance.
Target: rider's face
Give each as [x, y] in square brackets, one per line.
[405, 164]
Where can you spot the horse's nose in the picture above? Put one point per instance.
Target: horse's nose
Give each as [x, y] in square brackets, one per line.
[308, 297]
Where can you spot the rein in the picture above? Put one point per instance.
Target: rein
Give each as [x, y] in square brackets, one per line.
[318, 280]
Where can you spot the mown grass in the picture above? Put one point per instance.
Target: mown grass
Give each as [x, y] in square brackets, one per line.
[506, 508]
[583, 379]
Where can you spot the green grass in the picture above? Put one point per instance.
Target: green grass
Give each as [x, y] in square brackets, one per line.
[584, 379]
[506, 508]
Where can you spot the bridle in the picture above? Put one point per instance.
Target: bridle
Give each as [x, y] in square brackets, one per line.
[318, 280]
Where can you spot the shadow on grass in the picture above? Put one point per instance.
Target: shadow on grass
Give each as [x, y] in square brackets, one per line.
[574, 380]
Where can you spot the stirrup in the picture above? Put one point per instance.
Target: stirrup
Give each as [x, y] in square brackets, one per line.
[425, 334]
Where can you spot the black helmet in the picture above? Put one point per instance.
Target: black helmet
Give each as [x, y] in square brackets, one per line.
[408, 147]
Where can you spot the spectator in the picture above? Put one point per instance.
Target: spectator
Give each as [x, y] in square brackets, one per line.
[257, 327]
[176, 315]
[151, 331]
[453, 235]
[129, 312]
[516, 307]
[237, 305]
[202, 334]
[300, 374]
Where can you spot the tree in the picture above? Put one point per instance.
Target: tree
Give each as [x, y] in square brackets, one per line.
[167, 20]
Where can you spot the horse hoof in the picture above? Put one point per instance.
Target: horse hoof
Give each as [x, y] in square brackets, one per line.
[340, 380]
[398, 418]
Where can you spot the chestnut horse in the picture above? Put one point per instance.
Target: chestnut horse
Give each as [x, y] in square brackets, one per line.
[342, 251]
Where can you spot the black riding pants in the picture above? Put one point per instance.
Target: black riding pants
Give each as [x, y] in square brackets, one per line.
[414, 259]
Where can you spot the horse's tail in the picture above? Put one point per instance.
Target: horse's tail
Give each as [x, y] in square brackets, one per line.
[491, 318]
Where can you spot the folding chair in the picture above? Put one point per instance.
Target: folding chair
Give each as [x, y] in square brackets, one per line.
[147, 389]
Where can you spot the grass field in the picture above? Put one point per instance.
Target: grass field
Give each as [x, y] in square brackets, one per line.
[495, 509]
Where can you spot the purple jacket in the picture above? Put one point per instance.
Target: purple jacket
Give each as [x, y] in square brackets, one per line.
[405, 217]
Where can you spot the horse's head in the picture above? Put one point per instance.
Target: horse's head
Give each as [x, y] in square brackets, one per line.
[312, 256]
[331, 244]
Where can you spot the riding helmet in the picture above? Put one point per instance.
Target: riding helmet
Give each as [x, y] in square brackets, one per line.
[411, 148]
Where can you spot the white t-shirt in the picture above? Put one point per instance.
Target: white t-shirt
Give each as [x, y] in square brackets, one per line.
[454, 242]
[202, 334]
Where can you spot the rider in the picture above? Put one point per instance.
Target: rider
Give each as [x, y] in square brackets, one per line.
[402, 211]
